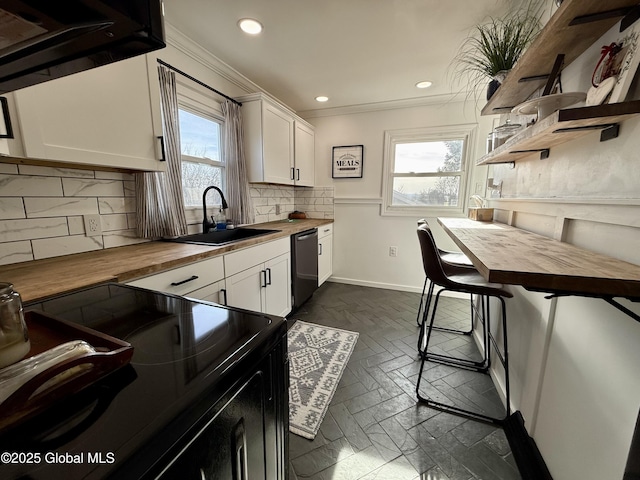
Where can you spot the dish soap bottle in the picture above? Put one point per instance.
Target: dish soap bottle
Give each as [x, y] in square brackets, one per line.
[221, 220]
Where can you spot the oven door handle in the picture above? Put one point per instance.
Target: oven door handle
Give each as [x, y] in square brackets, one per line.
[240, 449]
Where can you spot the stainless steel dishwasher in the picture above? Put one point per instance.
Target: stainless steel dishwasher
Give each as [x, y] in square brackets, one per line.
[304, 265]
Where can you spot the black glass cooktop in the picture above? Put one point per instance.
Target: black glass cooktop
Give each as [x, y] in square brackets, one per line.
[184, 351]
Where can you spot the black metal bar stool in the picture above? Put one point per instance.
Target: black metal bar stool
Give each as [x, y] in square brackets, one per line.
[452, 261]
[451, 269]
[472, 283]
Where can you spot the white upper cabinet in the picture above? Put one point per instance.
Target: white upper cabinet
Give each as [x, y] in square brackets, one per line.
[106, 116]
[278, 145]
[304, 143]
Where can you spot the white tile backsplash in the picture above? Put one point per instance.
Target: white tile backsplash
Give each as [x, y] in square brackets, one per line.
[40, 219]
[55, 171]
[316, 202]
[27, 229]
[120, 238]
[110, 205]
[30, 186]
[42, 208]
[8, 168]
[76, 225]
[84, 187]
[55, 247]
[11, 207]
[59, 206]
[14, 252]
[114, 222]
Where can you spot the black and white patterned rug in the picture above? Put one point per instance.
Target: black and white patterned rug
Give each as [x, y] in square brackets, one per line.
[317, 358]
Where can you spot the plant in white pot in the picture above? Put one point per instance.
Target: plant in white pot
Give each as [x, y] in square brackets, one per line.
[494, 47]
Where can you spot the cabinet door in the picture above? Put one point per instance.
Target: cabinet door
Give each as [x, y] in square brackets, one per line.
[216, 293]
[245, 289]
[304, 157]
[231, 446]
[277, 131]
[277, 295]
[325, 258]
[105, 116]
[11, 138]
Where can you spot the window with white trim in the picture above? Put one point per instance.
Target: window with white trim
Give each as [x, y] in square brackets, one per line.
[202, 152]
[426, 170]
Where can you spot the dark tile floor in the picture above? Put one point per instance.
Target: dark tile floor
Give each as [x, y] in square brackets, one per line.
[374, 428]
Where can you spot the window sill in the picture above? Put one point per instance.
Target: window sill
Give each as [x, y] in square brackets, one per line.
[420, 211]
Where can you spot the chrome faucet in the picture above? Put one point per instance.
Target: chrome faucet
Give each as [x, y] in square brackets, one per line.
[206, 224]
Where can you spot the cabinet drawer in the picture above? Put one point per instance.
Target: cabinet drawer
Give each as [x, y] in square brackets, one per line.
[248, 257]
[181, 281]
[325, 230]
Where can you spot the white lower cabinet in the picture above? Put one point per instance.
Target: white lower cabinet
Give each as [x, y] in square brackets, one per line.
[216, 293]
[256, 278]
[325, 253]
[245, 289]
[259, 278]
[203, 280]
[277, 294]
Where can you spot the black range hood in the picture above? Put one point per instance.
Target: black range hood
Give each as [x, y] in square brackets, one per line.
[42, 39]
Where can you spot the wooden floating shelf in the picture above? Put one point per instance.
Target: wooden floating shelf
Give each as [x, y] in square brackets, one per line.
[560, 127]
[557, 37]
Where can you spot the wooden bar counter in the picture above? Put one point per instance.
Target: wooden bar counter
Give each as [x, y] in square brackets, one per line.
[509, 255]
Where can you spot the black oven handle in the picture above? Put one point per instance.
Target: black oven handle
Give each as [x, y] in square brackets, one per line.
[240, 450]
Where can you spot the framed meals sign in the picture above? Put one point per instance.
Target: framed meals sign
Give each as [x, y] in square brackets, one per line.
[347, 161]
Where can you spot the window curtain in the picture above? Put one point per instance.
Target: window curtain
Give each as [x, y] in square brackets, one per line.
[238, 197]
[159, 202]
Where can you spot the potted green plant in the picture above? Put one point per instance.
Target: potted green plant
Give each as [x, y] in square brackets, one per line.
[493, 48]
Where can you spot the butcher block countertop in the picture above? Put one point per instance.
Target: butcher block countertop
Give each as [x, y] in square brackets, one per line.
[505, 254]
[41, 279]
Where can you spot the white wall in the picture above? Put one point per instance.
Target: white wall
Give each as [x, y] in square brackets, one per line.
[362, 237]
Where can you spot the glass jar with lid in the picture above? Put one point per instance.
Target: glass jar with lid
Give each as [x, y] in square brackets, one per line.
[505, 131]
[14, 338]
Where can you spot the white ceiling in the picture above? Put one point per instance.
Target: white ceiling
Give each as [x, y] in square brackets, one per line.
[353, 51]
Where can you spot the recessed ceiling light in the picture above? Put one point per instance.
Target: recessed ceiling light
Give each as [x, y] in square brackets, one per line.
[426, 84]
[250, 26]
[322, 98]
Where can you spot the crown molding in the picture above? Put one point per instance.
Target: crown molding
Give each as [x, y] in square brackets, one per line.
[387, 105]
[193, 50]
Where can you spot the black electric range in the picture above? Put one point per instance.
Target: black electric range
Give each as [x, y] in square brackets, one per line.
[188, 359]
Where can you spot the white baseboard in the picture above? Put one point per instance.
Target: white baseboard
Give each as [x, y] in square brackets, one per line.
[390, 286]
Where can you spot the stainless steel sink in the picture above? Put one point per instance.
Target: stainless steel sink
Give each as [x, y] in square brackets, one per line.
[221, 237]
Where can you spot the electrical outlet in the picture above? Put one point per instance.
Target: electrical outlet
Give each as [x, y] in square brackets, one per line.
[92, 225]
[393, 251]
[277, 209]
